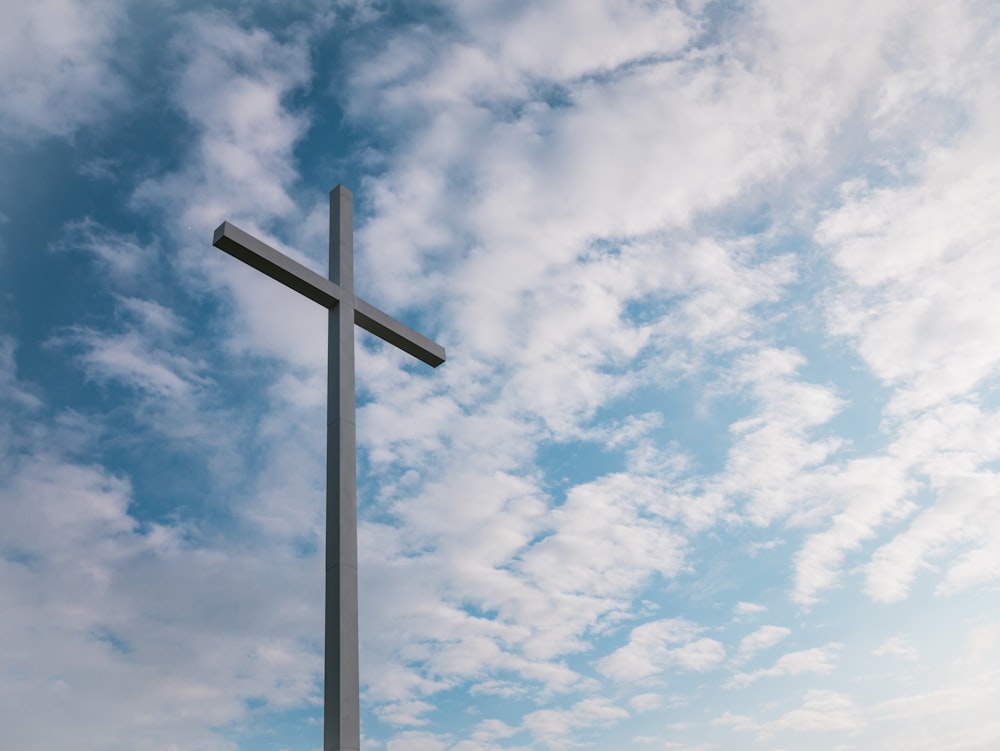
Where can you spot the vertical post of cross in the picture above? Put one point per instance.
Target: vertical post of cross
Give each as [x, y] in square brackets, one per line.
[341, 705]
[341, 721]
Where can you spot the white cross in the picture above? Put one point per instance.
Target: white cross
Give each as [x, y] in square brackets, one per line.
[341, 704]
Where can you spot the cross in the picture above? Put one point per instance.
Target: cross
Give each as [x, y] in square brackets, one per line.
[341, 703]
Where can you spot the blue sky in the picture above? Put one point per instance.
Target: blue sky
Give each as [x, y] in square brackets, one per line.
[713, 462]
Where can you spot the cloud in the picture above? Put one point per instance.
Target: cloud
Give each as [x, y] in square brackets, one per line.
[140, 355]
[510, 576]
[660, 645]
[57, 66]
[963, 516]
[404, 712]
[918, 264]
[557, 728]
[98, 598]
[606, 539]
[864, 495]
[417, 741]
[744, 609]
[645, 702]
[763, 638]
[598, 36]
[124, 257]
[821, 712]
[90, 636]
[775, 449]
[897, 646]
[490, 730]
[231, 85]
[956, 711]
[818, 660]
[499, 57]
[13, 391]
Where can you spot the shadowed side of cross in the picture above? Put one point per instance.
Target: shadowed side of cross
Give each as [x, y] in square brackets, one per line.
[341, 707]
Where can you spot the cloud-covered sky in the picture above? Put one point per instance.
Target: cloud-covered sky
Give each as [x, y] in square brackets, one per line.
[714, 462]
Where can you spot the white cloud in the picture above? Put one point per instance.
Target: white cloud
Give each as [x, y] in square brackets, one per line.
[645, 702]
[919, 260]
[231, 86]
[490, 730]
[818, 661]
[606, 539]
[57, 66]
[661, 645]
[139, 355]
[863, 495]
[12, 390]
[96, 602]
[506, 54]
[774, 450]
[957, 711]
[122, 256]
[821, 712]
[897, 646]
[597, 36]
[556, 728]
[404, 712]
[963, 516]
[417, 741]
[744, 609]
[952, 448]
[763, 638]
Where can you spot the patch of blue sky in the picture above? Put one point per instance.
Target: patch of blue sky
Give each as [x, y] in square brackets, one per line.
[568, 464]
[114, 640]
[696, 416]
[22, 558]
[693, 418]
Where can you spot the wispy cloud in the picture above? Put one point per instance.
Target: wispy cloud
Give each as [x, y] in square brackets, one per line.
[124, 257]
[821, 712]
[763, 638]
[140, 355]
[555, 728]
[957, 709]
[897, 646]
[12, 390]
[818, 661]
[748, 609]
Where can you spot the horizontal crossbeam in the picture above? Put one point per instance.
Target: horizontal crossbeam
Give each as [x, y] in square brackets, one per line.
[247, 248]
[384, 326]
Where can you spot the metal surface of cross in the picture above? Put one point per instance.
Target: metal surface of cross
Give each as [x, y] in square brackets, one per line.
[341, 705]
